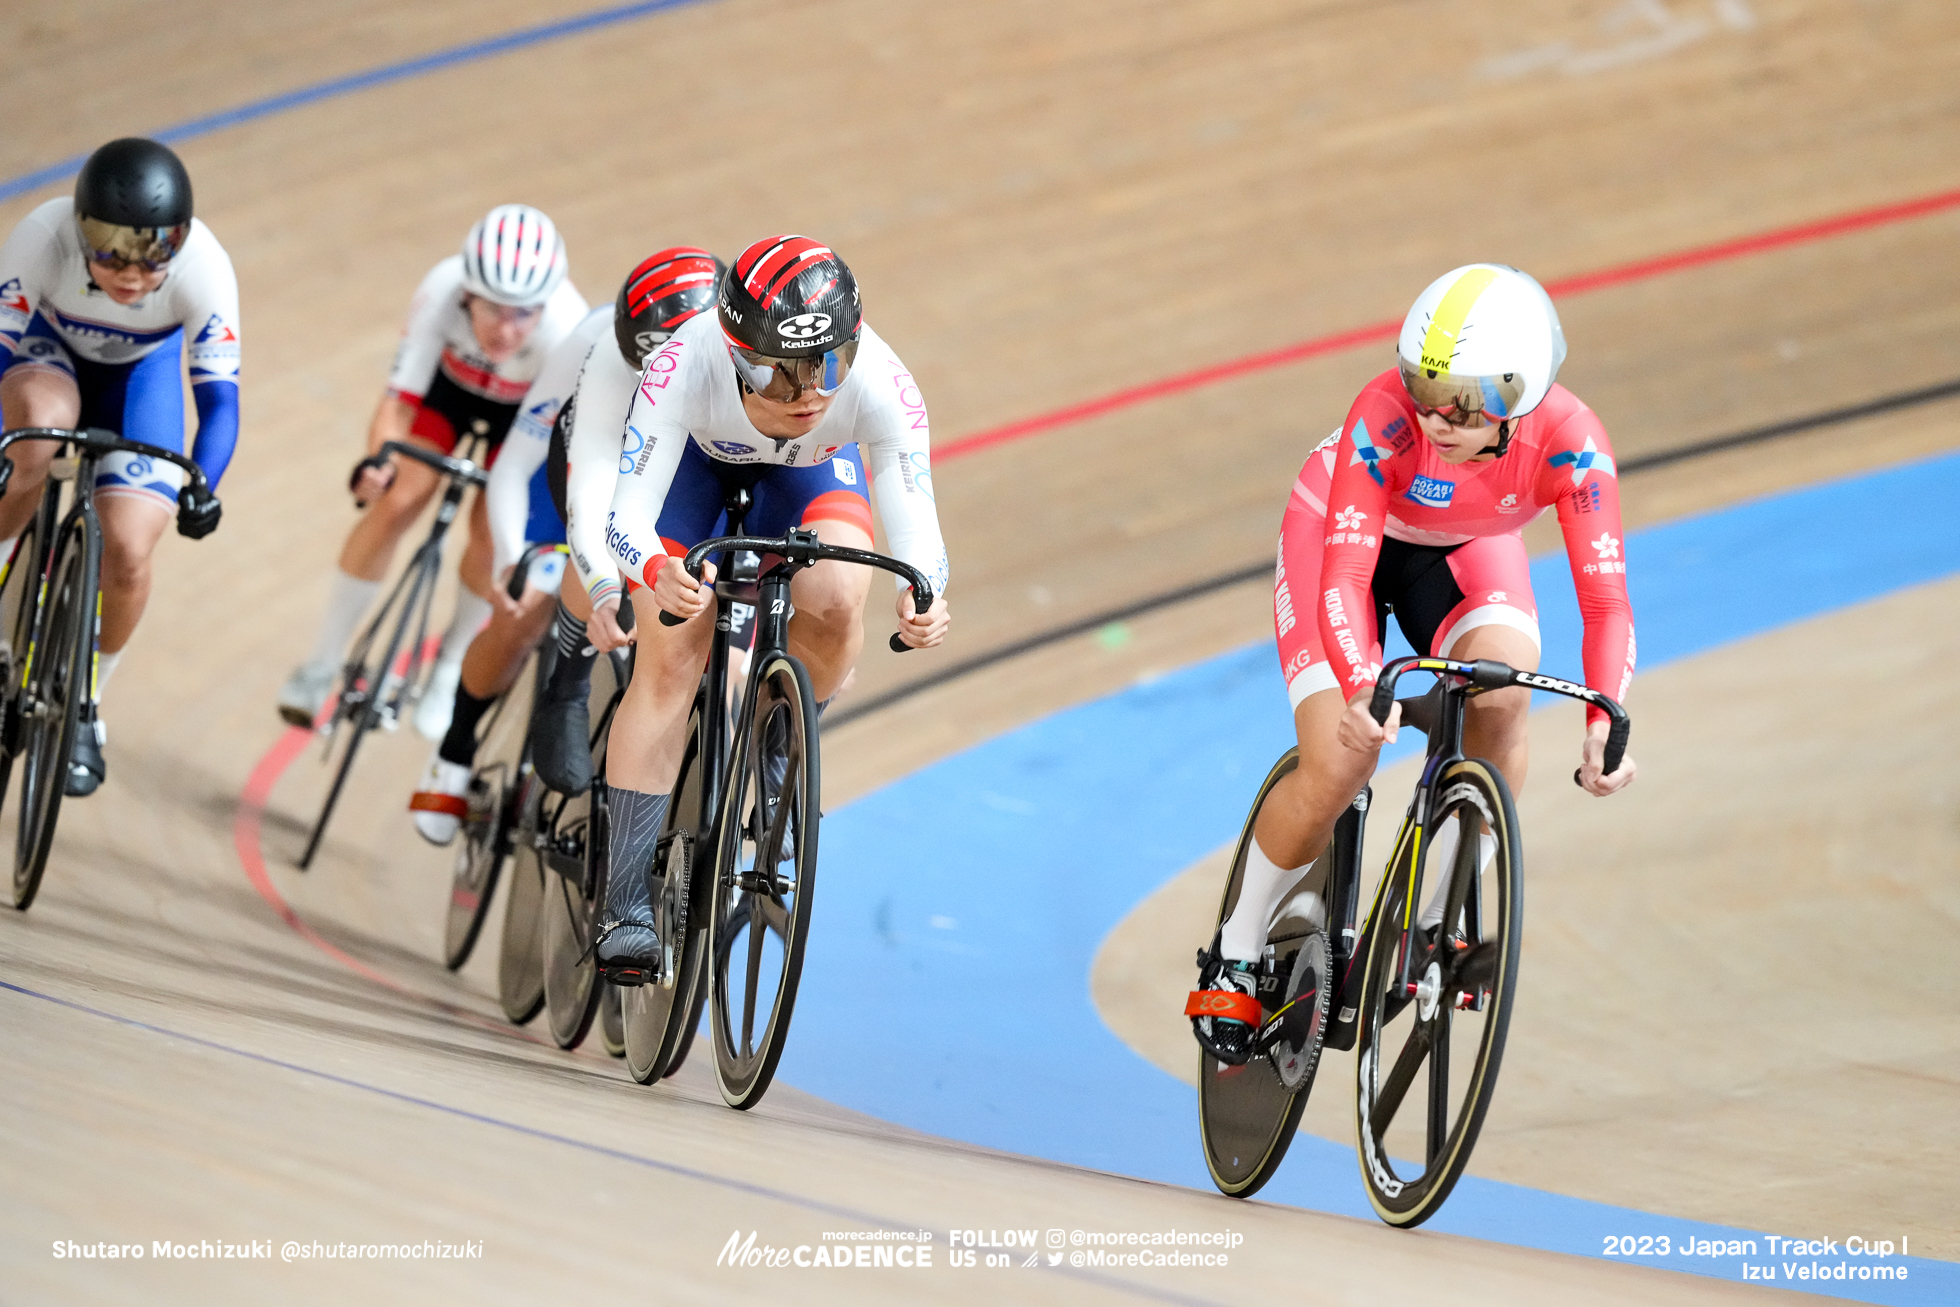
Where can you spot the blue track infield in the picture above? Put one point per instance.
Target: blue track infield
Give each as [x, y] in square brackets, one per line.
[947, 984]
[487, 48]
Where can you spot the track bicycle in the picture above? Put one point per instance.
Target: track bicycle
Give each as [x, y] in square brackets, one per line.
[735, 866]
[1428, 1003]
[377, 689]
[50, 618]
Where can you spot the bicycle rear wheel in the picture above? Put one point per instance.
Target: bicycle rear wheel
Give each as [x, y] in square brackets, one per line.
[1436, 1003]
[486, 829]
[520, 962]
[1248, 1115]
[656, 1015]
[57, 687]
[764, 877]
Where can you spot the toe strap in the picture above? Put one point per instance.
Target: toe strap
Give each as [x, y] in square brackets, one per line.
[1227, 1003]
[432, 801]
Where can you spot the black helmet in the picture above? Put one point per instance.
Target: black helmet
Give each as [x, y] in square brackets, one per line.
[666, 290]
[133, 202]
[790, 298]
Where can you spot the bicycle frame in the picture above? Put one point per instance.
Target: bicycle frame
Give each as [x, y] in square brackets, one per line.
[81, 449]
[1457, 681]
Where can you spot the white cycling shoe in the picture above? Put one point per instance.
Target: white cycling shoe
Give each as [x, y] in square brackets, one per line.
[442, 801]
[438, 701]
[305, 693]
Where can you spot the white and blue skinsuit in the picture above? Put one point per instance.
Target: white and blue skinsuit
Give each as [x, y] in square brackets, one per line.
[125, 358]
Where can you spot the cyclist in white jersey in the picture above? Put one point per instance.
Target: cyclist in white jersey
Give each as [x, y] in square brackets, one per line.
[597, 366]
[785, 391]
[103, 299]
[479, 330]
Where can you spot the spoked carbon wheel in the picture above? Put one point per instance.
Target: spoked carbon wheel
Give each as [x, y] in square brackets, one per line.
[485, 834]
[358, 710]
[764, 875]
[51, 706]
[657, 1016]
[520, 963]
[1436, 1003]
[1248, 1115]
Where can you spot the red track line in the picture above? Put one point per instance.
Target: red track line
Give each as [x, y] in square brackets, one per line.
[1803, 233]
[247, 827]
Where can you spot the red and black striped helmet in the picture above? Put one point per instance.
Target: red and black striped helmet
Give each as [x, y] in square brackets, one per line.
[666, 290]
[789, 297]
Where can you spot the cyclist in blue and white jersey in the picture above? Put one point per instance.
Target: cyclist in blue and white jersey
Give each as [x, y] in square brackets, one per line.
[784, 391]
[589, 379]
[104, 297]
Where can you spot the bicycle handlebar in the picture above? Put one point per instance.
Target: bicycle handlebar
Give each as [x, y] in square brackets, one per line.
[447, 464]
[801, 549]
[520, 573]
[1487, 674]
[102, 441]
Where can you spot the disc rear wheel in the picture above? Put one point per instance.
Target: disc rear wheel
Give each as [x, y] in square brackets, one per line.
[656, 1015]
[1248, 1115]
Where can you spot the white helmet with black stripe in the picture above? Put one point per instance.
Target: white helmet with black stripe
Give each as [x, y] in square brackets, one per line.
[514, 255]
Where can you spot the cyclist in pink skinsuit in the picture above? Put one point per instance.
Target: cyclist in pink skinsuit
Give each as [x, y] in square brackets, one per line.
[1414, 506]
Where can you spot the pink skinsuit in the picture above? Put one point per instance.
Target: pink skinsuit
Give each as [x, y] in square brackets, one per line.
[1381, 477]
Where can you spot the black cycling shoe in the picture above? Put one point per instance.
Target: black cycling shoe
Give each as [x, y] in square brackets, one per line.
[629, 954]
[561, 738]
[86, 767]
[1224, 1009]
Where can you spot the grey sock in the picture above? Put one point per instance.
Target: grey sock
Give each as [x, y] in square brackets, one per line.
[635, 818]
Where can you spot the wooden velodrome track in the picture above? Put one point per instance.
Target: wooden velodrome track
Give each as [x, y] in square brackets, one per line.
[1044, 205]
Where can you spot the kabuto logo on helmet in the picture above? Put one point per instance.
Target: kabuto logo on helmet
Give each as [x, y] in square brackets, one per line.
[805, 326]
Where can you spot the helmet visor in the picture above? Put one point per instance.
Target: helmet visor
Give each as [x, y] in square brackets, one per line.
[1463, 401]
[783, 380]
[119, 246]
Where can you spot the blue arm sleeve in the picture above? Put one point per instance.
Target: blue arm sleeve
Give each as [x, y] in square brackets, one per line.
[217, 427]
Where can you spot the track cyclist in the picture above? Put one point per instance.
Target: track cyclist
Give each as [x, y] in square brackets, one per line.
[1414, 506]
[589, 442]
[783, 390]
[590, 375]
[479, 330]
[103, 300]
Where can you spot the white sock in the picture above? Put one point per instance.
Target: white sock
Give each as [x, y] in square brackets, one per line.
[1243, 936]
[1438, 861]
[471, 614]
[105, 667]
[347, 603]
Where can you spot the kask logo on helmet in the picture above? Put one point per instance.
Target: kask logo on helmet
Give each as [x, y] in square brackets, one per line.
[804, 326]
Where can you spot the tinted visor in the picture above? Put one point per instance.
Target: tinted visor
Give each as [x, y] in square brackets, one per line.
[119, 246]
[782, 379]
[1463, 401]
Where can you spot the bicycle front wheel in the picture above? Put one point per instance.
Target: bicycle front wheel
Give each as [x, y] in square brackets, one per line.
[485, 836]
[57, 688]
[20, 604]
[764, 875]
[520, 964]
[656, 1015]
[1436, 999]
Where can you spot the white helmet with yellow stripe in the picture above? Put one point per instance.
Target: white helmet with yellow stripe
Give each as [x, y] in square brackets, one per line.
[1483, 343]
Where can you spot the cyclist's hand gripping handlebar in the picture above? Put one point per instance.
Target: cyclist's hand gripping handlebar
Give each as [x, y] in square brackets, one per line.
[197, 514]
[1486, 674]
